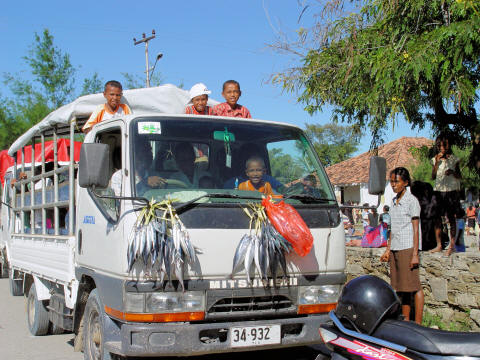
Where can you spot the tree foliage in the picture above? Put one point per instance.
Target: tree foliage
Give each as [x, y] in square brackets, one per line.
[92, 85]
[333, 143]
[284, 167]
[52, 85]
[419, 58]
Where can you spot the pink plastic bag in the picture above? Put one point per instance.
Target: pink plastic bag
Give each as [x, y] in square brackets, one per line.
[290, 225]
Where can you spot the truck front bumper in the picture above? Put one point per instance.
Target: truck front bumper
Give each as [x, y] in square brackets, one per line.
[186, 339]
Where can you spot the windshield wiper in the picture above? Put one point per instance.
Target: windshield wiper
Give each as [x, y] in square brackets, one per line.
[307, 198]
[180, 207]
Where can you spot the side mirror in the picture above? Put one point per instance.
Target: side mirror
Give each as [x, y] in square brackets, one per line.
[376, 176]
[94, 166]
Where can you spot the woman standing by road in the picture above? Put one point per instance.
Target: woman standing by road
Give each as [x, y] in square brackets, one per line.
[404, 244]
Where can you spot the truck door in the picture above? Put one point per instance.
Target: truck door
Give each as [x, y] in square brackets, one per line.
[99, 219]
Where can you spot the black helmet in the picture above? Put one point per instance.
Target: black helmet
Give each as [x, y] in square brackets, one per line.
[365, 301]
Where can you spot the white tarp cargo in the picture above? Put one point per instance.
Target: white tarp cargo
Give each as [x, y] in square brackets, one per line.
[167, 99]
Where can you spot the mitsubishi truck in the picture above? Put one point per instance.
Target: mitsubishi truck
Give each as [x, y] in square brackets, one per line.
[78, 275]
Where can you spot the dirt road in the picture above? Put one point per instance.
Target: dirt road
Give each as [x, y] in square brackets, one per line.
[16, 342]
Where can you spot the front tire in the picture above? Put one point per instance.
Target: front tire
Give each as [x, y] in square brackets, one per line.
[93, 328]
[37, 314]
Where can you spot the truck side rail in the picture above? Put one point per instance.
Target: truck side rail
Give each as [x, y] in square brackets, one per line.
[22, 207]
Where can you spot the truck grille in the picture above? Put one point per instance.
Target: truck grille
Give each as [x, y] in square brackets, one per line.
[250, 303]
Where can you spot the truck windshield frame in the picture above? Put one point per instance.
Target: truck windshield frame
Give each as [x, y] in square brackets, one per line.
[183, 158]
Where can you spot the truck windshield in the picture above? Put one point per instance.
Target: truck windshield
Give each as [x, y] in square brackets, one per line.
[184, 158]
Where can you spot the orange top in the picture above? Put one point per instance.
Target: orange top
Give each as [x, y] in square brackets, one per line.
[101, 113]
[471, 213]
[265, 189]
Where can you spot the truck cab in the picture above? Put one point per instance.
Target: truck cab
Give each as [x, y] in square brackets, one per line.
[160, 157]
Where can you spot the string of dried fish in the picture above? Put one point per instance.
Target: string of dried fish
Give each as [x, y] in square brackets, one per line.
[262, 249]
[161, 243]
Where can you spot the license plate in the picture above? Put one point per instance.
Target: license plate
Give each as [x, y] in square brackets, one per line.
[254, 335]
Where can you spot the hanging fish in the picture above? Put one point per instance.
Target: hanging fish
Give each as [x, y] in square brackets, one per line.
[240, 252]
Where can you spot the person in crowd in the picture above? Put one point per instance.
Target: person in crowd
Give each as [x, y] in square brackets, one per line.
[198, 100]
[373, 217]
[430, 217]
[477, 208]
[459, 234]
[470, 220]
[112, 108]
[404, 244]
[385, 218]
[365, 215]
[231, 92]
[446, 173]
[255, 170]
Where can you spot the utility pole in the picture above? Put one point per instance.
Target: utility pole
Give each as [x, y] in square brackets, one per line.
[146, 40]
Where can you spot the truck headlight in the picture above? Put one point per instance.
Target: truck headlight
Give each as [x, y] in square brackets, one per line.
[165, 302]
[317, 299]
[318, 294]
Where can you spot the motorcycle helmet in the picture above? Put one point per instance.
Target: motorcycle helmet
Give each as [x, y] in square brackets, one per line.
[365, 301]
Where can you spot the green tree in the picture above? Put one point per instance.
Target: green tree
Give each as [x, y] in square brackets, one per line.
[92, 85]
[51, 69]
[51, 86]
[284, 167]
[419, 58]
[135, 81]
[333, 143]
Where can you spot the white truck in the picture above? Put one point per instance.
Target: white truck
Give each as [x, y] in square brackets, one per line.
[78, 276]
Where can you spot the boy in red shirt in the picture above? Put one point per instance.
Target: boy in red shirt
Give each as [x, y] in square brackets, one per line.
[231, 92]
[112, 108]
[198, 101]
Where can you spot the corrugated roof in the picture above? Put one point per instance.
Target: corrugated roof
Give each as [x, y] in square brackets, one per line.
[355, 170]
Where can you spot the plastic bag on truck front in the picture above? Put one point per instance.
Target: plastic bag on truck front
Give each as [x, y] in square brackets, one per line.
[290, 225]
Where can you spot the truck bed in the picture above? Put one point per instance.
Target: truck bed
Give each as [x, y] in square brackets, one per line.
[47, 256]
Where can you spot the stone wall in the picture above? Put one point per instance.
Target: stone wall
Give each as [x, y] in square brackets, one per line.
[451, 284]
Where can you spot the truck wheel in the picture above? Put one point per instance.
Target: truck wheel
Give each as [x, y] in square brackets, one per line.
[16, 286]
[55, 329]
[37, 314]
[93, 337]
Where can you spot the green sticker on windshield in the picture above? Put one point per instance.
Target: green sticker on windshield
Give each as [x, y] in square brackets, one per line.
[149, 127]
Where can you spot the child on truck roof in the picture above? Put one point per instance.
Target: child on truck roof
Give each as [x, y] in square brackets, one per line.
[198, 101]
[112, 108]
[231, 92]
[255, 169]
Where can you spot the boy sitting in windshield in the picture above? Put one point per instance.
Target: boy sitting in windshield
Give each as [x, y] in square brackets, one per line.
[231, 92]
[255, 169]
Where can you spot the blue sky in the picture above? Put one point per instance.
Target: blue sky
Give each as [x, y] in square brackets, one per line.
[202, 41]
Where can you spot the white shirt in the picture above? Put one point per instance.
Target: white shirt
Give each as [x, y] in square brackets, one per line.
[444, 182]
[401, 216]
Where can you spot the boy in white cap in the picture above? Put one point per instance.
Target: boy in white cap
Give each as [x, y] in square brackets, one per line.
[198, 101]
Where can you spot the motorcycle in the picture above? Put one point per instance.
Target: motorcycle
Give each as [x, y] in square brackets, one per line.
[367, 324]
